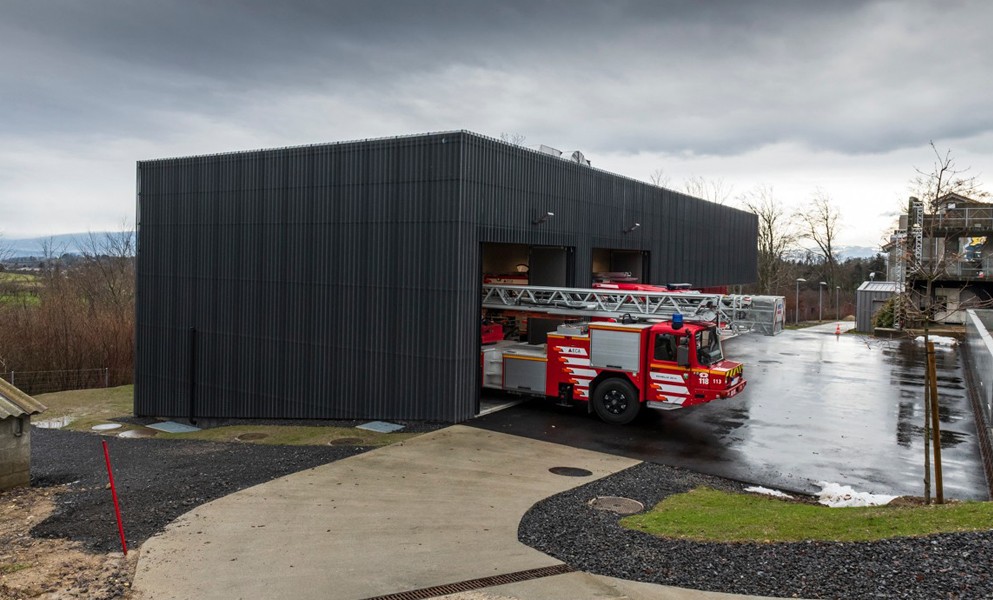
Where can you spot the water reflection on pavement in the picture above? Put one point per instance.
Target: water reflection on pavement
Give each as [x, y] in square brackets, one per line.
[818, 407]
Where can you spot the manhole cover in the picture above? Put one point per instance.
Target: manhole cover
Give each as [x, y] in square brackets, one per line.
[106, 426]
[617, 504]
[144, 432]
[346, 442]
[570, 471]
[248, 437]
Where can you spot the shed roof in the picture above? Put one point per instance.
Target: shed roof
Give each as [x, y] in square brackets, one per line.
[880, 286]
[15, 403]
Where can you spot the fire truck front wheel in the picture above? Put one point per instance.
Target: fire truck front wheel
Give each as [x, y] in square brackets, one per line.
[616, 401]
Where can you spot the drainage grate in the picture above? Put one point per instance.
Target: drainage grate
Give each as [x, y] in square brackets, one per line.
[477, 584]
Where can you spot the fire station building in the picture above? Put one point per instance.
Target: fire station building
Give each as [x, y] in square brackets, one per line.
[343, 280]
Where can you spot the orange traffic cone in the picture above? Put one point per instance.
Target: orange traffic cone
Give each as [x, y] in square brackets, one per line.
[837, 329]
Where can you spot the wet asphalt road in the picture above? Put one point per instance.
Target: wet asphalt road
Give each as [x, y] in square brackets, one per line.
[818, 407]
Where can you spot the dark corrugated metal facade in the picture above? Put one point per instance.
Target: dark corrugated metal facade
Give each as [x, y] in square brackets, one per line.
[342, 280]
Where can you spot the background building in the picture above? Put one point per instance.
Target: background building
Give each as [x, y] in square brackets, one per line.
[949, 245]
[343, 280]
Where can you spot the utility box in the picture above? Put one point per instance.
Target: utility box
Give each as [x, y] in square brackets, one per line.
[16, 410]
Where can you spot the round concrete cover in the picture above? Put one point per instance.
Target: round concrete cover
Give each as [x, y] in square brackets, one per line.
[106, 426]
[617, 504]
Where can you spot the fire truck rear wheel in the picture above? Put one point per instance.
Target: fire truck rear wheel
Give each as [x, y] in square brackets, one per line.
[616, 401]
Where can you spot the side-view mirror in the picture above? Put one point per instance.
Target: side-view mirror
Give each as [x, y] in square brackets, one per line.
[683, 356]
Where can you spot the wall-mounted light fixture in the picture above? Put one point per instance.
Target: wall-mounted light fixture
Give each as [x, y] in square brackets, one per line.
[632, 228]
[543, 218]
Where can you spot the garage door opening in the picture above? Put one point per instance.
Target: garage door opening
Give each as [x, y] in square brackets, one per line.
[520, 264]
[523, 332]
[620, 266]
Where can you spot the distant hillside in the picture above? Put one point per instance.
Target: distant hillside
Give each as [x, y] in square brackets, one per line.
[843, 253]
[846, 252]
[63, 243]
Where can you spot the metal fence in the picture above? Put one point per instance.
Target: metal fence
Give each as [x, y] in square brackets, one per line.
[979, 370]
[44, 382]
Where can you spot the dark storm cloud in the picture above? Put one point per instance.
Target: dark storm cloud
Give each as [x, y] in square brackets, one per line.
[698, 77]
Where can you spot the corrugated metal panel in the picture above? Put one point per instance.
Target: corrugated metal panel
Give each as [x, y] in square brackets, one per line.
[15, 403]
[323, 282]
[879, 286]
[342, 280]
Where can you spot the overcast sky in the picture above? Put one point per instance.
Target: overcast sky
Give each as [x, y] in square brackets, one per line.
[838, 96]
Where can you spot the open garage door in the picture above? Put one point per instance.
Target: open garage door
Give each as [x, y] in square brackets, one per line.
[628, 266]
[551, 266]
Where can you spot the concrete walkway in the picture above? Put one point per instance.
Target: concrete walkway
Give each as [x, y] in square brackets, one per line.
[438, 509]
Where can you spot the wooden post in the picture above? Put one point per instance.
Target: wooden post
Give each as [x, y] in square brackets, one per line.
[927, 433]
[935, 427]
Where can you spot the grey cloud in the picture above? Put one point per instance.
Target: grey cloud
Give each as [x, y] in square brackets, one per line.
[701, 77]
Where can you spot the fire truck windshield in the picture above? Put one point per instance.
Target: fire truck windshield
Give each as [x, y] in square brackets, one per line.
[708, 347]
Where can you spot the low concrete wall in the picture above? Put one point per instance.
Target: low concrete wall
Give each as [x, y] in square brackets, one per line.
[979, 368]
[15, 452]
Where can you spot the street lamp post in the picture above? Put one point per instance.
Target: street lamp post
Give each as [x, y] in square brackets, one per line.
[820, 303]
[837, 307]
[797, 313]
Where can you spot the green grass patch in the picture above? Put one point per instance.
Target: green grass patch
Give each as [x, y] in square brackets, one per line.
[709, 515]
[6, 276]
[7, 569]
[92, 407]
[24, 298]
[88, 407]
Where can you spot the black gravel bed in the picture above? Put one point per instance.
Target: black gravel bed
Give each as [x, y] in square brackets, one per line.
[210, 423]
[156, 480]
[956, 565]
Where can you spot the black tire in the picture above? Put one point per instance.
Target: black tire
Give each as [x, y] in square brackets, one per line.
[616, 401]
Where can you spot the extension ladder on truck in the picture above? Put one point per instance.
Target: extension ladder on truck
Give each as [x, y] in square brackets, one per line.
[733, 313]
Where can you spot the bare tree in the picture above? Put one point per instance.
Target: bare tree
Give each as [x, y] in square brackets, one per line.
[945, 177]
[108, 262]
[820, 222]
[717, 190]
[6, 251]
[777, 235]
[516, 139]
[659, 178]
[931, 255]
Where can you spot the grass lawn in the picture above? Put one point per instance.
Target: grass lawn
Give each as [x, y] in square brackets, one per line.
[709, 515]
[92, 407]
[88, 407]
[19, 288]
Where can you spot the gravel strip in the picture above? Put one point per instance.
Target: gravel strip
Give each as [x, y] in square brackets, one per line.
[211, 423]
[156, 480]
[940, 566]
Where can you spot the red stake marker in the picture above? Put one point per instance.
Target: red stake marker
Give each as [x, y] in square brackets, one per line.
[113, 492]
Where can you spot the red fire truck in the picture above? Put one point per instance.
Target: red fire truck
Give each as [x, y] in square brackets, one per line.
[619, 366]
